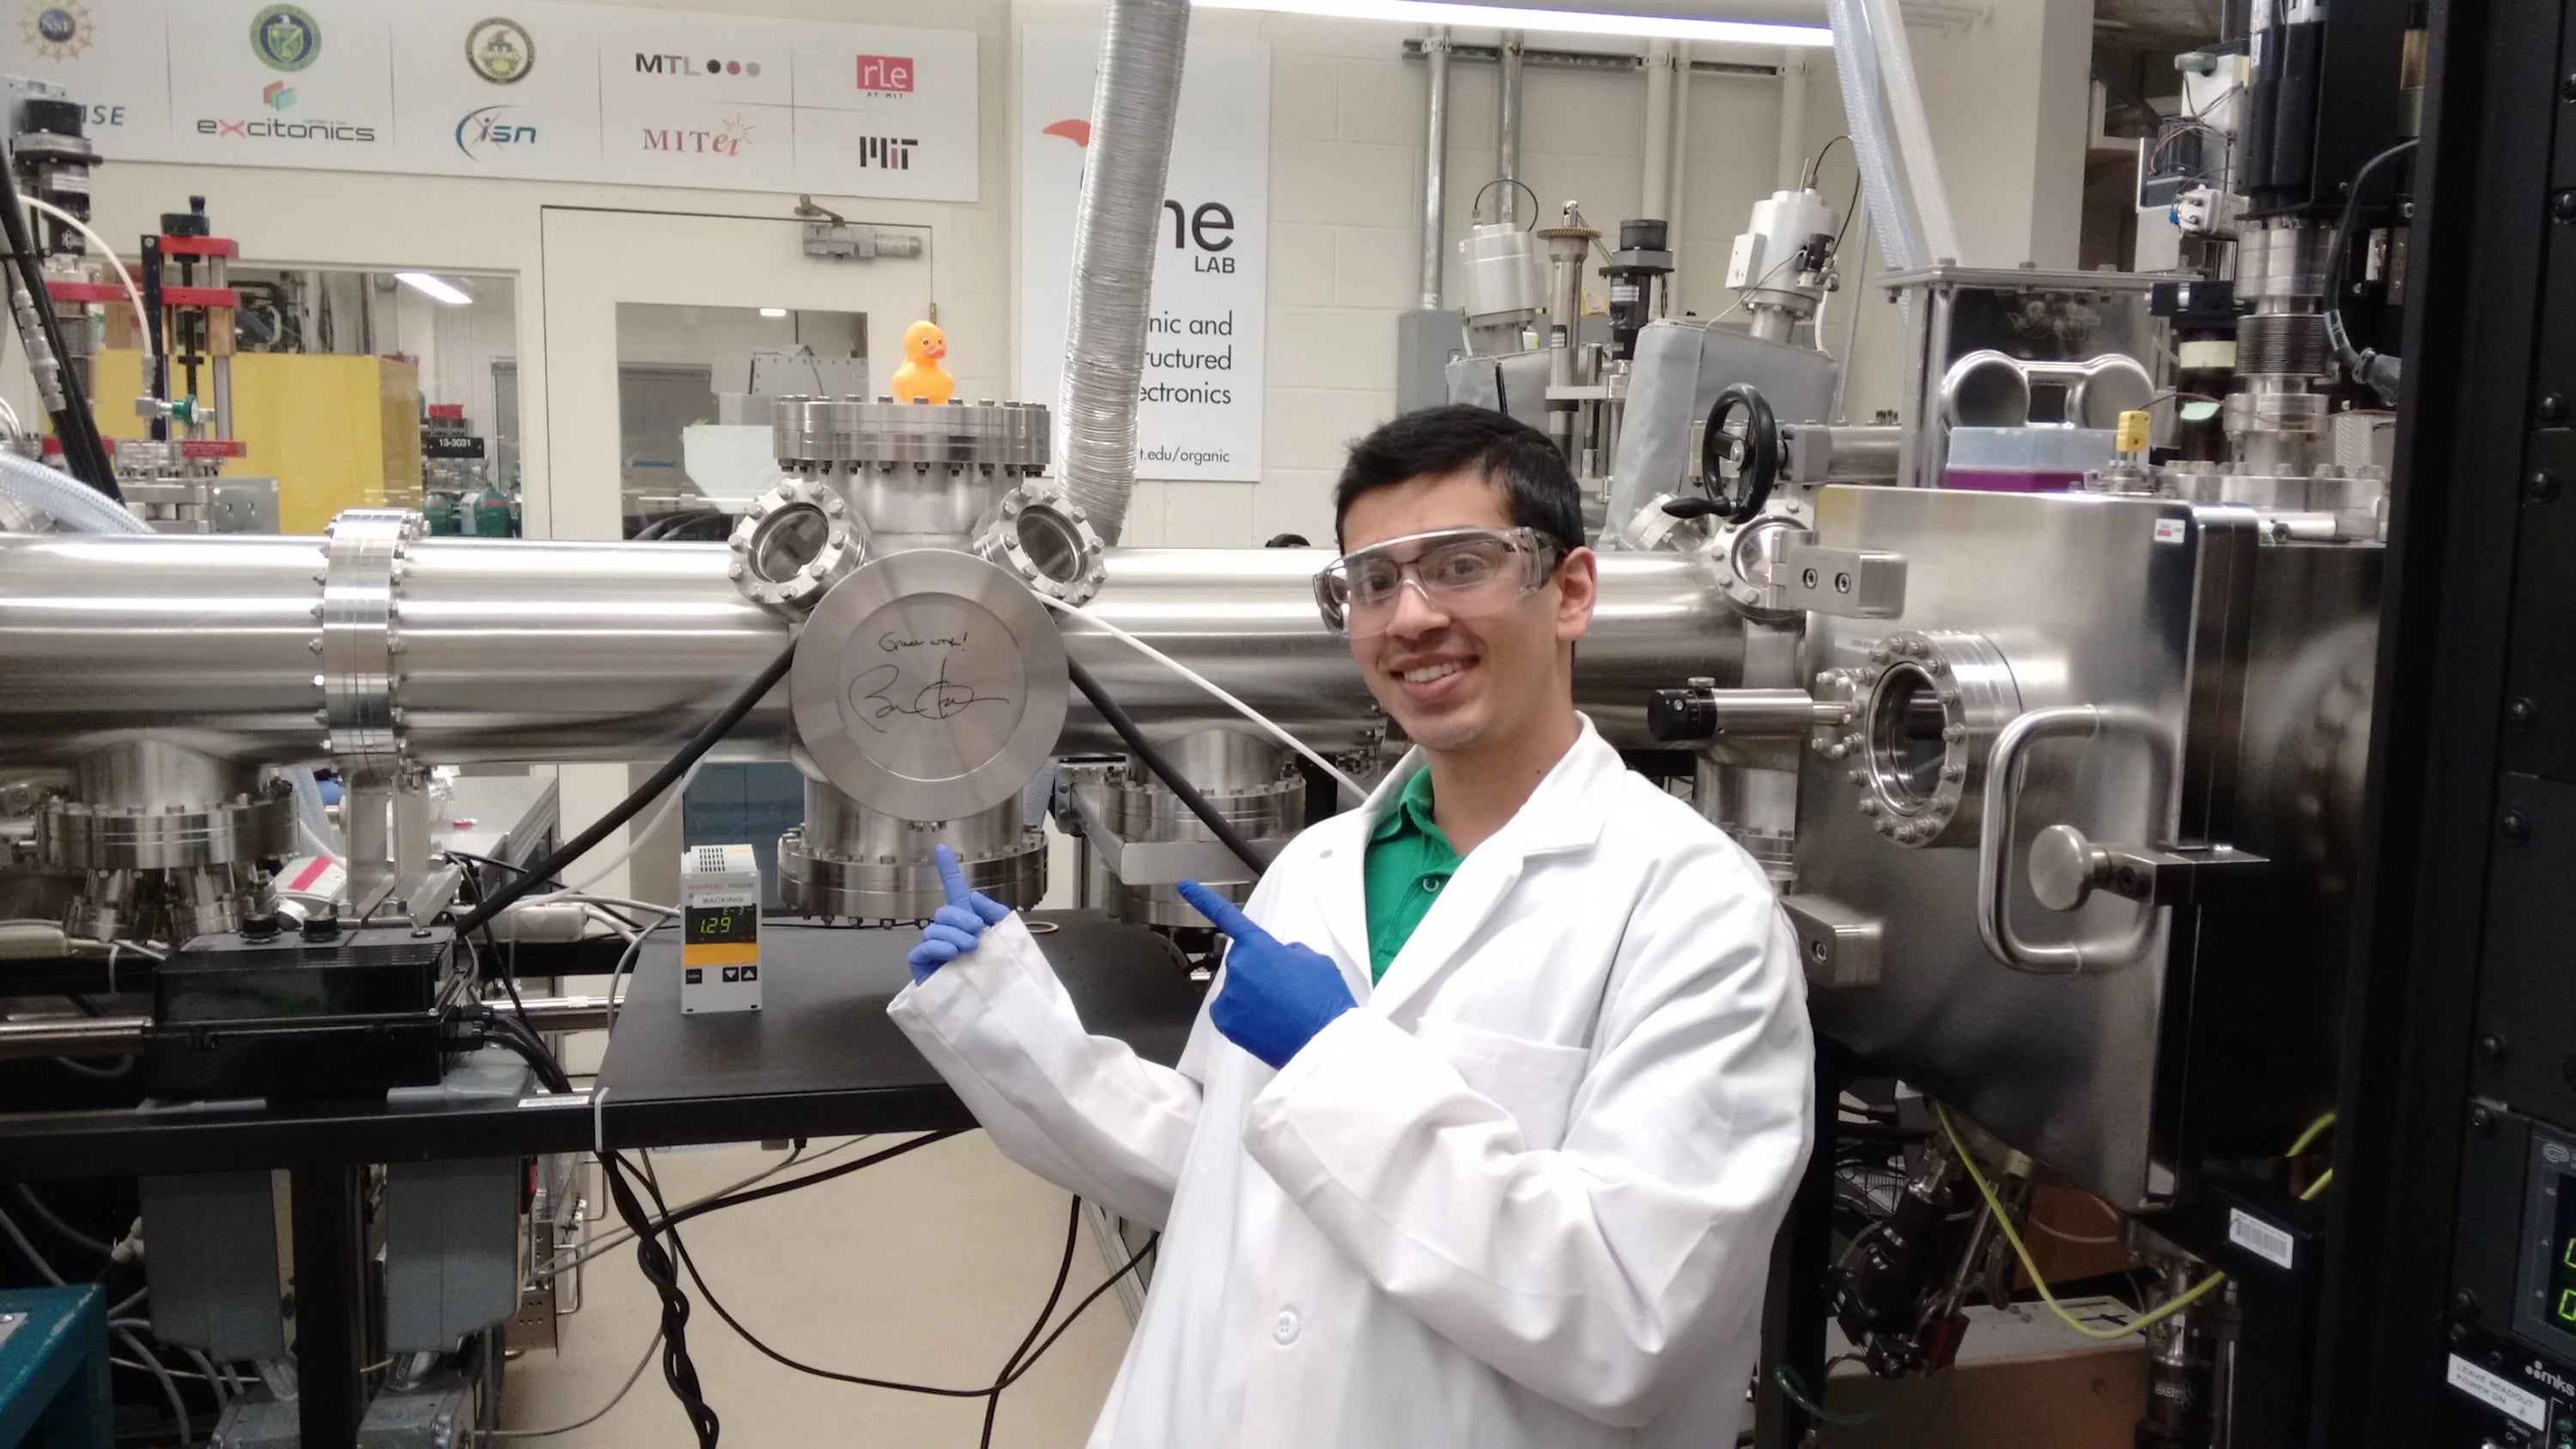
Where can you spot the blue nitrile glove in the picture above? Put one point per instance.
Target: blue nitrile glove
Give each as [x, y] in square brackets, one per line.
[959, 924]
[1277, 994]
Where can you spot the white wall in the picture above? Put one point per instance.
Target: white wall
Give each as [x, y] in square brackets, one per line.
[2006, 94]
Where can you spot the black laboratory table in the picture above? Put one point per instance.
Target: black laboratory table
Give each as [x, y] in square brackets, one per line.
[819, 1059]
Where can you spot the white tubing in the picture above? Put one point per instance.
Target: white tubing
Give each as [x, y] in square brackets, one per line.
[1203, 682]
[1913, 131]
[1132, 113]
[1856, 71]
[70, 503]
[1655, 199]
[133, 293]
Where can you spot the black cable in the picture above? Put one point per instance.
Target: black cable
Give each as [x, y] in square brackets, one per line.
[553, 882]
[672, 769]
[678, 1369]
[1172, 779]
[718, 1204]
[930, 1390]
[83, 450]
[1055, 1295]
[1505, 181]
[2354, 361]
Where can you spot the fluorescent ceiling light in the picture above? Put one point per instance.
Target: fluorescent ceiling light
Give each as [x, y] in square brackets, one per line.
[432, 287]
[773, 311]
[1507, 17]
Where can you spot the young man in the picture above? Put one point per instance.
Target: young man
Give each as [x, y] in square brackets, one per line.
[1500, 1097]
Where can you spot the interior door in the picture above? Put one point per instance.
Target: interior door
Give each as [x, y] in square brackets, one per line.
[595, 259]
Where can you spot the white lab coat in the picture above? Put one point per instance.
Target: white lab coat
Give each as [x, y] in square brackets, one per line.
[1523, 1195]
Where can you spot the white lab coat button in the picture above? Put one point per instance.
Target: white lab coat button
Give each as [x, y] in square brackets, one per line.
[1285, 1330]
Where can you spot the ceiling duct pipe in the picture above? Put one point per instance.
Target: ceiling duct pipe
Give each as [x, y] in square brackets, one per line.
[1124, 169]
[1507, 129]
[1435, 163]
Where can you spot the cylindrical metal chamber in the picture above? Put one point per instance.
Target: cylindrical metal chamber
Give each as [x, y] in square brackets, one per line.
[1254, 786]
[531, 651]
[851, 861]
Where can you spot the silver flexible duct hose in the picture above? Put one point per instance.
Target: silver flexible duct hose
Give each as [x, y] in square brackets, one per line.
[74, 505]
[1130, 153]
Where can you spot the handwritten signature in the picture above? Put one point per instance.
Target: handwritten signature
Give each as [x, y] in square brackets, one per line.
[937, 700]
[890, 643]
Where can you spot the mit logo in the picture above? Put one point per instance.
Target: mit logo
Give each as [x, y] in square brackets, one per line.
[885, 153]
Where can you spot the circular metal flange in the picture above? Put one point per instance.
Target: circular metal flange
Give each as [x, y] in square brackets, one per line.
[823, 885]
[1011, 436]
[929, 685]
[1042, 536]
[74, 836]
[1752, 556]
[361, 617]
[794, 542]
[1934, 703]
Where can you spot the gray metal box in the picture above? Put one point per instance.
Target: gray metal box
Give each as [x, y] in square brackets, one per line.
[2231, 680]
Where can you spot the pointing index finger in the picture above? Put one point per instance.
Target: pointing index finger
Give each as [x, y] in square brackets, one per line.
[952, 878]
[1221, 912]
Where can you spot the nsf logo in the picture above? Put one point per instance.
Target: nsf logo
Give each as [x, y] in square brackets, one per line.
[285, 37]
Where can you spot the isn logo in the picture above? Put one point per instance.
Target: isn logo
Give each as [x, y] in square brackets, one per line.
[886, 153]
[731, 141]
[285, 37]
[500, 50]
[57, 32]
[885, 75]
[491, 129]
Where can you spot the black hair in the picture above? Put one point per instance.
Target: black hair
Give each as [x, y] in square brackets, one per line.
[1538, 488]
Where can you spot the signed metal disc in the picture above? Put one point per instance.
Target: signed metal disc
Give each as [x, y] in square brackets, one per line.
[929, 685]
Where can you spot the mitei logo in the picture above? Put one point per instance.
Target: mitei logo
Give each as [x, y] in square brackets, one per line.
[728, 142]
[889, 74]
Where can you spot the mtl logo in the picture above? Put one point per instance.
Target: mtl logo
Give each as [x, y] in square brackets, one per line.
[886, 74]
[886, 153]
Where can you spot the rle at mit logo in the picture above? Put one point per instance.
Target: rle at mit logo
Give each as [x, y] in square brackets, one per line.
[886, 153]
[887, 74]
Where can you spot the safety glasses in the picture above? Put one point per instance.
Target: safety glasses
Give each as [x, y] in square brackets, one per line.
[1462, 572]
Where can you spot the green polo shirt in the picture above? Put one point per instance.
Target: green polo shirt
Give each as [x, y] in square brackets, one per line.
[1409, 863]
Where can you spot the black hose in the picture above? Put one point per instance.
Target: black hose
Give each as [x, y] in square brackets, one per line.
[672, 769]
[83, 449]
[1143, 749]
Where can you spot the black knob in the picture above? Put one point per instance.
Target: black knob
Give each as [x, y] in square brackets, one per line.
[1753, 452]
[323, 928]
[261, 927]
[1682, 716]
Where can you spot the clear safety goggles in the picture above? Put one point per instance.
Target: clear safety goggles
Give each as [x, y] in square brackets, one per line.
[1461, 572]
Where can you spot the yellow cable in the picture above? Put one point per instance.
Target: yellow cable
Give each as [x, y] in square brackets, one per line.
[2037, 1280]
[2308, 1138]
[2324, 1179]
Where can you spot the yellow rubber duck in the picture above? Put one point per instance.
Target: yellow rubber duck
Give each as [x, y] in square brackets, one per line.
[921, 379]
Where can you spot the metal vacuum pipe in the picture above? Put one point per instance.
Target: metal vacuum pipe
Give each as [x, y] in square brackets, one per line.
[1656, 198]
[1507, 129]
[1435, 163]
[1124, 168]
[530, 651]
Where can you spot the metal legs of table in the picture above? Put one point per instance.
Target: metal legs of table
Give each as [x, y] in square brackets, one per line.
[1793, 1311]
[330, 1303]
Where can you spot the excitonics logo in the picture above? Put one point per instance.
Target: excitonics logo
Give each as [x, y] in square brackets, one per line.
[279, 98]
[500, 50]
[491, 128]
[285, 38]
[57, 32]
[690, 141]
